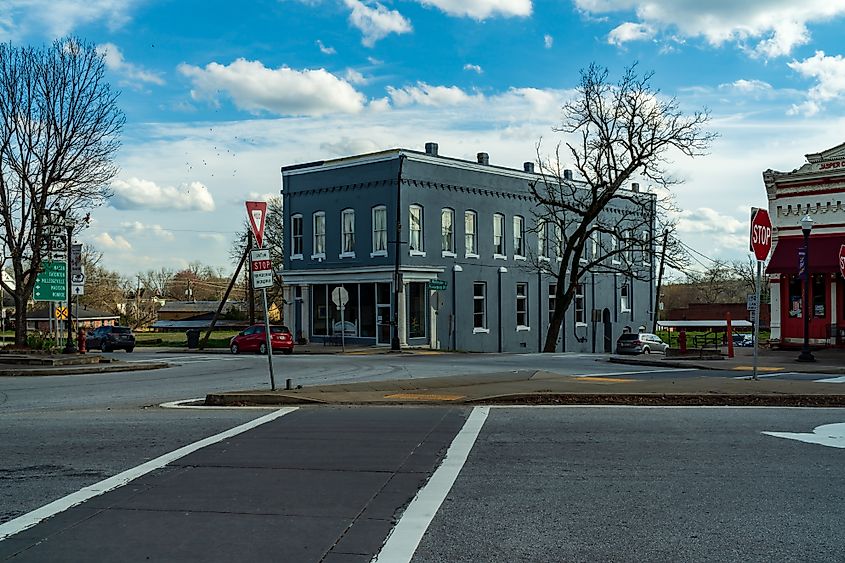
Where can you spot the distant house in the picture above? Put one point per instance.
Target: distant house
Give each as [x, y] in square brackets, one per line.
[182, 315]
[41, 319]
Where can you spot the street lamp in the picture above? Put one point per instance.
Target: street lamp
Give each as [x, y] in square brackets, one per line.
[806, 227]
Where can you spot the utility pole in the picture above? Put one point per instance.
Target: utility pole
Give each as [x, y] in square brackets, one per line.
[659, 281]
[397, 247]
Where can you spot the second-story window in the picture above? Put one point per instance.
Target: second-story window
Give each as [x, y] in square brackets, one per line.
[580, 310]
[296, 236]
[320, 234]
[380, 230]
[415, 241]
[347, 220]
[559, 241]
[542, 239]
[518, 236]
[470, 233]
[447, 230]
[498, 234]
[646, 248]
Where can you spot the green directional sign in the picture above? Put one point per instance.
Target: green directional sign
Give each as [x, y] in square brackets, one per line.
[437, 285]
[51, 282]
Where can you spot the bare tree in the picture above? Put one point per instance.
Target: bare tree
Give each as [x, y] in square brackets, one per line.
[59, 128]
[618, 133]
[746, 271]
[274, 240]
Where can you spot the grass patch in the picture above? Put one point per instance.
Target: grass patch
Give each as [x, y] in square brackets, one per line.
[218, 339]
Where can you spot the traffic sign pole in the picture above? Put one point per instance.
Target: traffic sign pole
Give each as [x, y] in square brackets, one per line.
[269, 342]
[760, 243]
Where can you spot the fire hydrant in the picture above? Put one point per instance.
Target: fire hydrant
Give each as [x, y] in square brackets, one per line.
[80, 337]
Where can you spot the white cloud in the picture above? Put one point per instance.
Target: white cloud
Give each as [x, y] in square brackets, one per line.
[115, 62]
[57, 18]
[135, 193]
[747, 86]
[376, 23]
[255, 196]
[474, 68]
[707, 220]
[138, 228]
[548, 41]
[628, 31]
[829, 73]
[768, 28]
[354, 77]
[215, 237]
[116, 242]
[325, 50]
[283, 91]
[427, 95]
[482, 9]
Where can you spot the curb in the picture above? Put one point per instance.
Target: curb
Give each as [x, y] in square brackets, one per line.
[83, 370]
[720, 365]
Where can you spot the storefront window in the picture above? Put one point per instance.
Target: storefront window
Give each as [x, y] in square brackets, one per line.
[416, 310]
[319, 313]
[819, 295]
[368, 310]
[795, 288]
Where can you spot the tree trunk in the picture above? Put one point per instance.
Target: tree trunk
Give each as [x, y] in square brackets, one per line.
[20, 319]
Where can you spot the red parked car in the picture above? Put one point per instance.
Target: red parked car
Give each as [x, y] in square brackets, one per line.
[253, 339]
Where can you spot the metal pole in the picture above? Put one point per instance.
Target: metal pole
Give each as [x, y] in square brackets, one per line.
[267, 337]
[342, 328]
[806, 355]
[69, 348]
[394, 341]
[757, 318]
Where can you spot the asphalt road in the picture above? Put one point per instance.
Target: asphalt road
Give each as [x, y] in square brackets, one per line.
[539, 484]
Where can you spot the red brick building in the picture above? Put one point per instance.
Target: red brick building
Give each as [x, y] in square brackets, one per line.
[817, 190]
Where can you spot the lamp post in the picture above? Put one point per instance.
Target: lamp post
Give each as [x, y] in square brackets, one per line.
[68, 224]
[806, 227]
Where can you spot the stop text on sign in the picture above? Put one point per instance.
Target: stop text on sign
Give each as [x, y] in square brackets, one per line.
[260, 265]
[760, 239]
[761, 235]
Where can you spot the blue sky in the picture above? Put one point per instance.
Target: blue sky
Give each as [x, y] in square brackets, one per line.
[219, 95]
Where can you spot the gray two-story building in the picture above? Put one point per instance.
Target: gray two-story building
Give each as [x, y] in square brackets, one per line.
[440, 252]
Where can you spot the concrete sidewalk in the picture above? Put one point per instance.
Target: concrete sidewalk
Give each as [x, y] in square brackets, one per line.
[828, 361]
[542, 387]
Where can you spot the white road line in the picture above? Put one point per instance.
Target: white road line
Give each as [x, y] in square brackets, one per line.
[667, 370]
[406, 535]
[831, 380]
[32, 518]
[762, 375]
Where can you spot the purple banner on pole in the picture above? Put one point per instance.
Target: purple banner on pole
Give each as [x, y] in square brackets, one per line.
[802, 262]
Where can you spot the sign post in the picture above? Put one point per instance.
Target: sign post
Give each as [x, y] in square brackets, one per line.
[340, 297]
[262, 271]
[760, 243]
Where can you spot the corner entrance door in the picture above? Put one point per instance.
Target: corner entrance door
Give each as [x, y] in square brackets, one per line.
[383, 327]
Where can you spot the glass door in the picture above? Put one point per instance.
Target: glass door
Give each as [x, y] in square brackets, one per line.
[383, 324]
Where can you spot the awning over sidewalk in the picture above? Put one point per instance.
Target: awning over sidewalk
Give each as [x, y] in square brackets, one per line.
[824, 254]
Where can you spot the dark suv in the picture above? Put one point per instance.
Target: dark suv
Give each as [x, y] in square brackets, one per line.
[108, 338]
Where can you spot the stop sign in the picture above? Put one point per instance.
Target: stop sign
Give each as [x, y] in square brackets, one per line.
[761, 233]
[842, 260]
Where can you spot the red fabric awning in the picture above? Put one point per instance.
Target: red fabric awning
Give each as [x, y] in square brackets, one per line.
[824, 254]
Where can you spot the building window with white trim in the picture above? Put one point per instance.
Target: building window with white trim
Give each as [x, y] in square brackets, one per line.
[479, 307]
[624, 302]
[542, 240]
[594, 245]
[347, 225]
[552, 300]
[614, 247]
[471, 234]
[447, 231]
[296, 237]
[521, 306]
[498, 235]
[415, 241]
[380, 231]
[629, 247]
[580, 310]
[646, 249]
[518, 236]
[559, 241]
[319, 235]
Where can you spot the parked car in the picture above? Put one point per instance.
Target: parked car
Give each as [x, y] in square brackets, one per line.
[109, 338]
[642, 343]
[254, 339]
[743, 340]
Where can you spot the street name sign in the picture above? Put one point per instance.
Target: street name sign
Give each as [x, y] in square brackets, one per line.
[257, 212]
[437, 285]
[261, 268]
[51, 281]
[761, 233]
[751, 302]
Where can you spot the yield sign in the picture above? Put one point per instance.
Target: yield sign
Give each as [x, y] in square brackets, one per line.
[257, 211]
[842, 260]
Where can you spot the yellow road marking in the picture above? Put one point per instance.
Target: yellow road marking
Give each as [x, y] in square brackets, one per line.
[759, 368]
[423, 397]
[605, 379]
